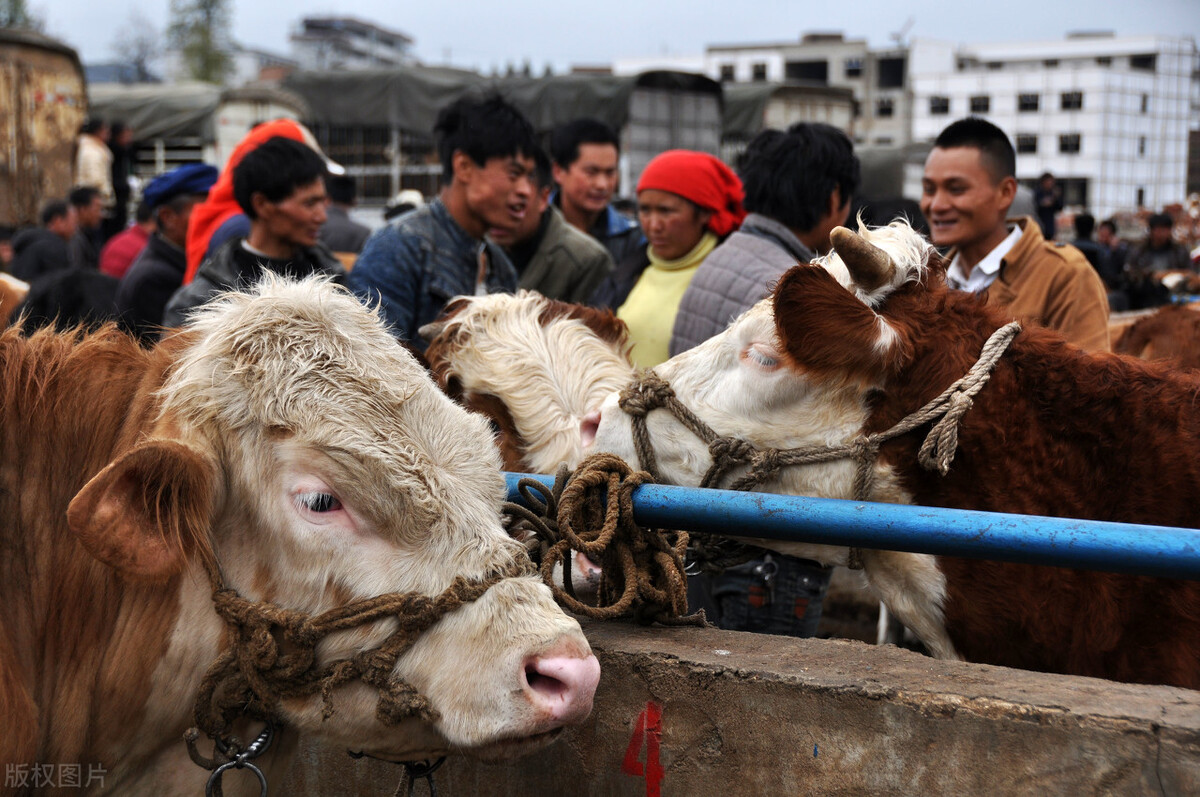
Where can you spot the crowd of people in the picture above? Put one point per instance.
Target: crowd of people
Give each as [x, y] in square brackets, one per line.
[705, 243]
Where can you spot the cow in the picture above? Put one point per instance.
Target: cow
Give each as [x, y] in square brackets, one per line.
[1170, 333]
[283, 447]
[850, 346]
[534, 366]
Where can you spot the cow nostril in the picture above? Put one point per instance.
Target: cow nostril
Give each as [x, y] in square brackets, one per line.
[546, 685]
[588, 427]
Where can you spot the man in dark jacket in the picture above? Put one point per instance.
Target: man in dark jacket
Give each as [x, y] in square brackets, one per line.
[341, 233]
[89, 214]
[44, 249]
[280, 186]
[552, 257]
[416, 264]
[158, 270]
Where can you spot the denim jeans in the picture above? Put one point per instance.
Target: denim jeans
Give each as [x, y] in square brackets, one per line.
[773, 595]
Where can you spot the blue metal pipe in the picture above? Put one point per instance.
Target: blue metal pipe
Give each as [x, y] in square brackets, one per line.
[1062, 542]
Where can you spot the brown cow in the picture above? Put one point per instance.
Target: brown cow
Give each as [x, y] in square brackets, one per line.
[853, 344]
[287, 444]
[1170, 333]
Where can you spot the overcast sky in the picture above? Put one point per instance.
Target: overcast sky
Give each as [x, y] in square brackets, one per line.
[483, 34]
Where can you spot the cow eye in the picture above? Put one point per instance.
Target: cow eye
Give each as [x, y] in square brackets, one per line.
[319, 502]
[761, 358]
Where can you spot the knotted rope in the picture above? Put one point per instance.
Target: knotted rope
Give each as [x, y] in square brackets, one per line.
[272, 656]
[650, 392]
[642, 570]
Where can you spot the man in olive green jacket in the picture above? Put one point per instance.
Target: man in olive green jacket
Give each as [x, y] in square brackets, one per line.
[968, 187]
[552, 257]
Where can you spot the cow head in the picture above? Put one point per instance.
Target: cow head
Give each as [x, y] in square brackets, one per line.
[534, 366]
[307, 458]
[779, 390]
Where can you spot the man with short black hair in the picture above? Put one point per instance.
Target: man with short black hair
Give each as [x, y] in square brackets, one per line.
[416, 264]
[44, 249]
[89, 215]
[158, 271]
[339, 232]
[552, 257]
[586, 154]
[280, 186]
[968, 187]
[798, 186]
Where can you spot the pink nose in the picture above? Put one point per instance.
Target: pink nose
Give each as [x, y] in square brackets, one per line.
[560, 684]
[588, 427]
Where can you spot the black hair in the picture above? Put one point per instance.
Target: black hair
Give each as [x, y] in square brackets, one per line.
[7, 232]
[275, 169]
[92, 126]
[789, 176]
[993, 145]
[143, 212]
[82, 196]
[1110, 224]
[1085, 225]
[543, 175]
[54, 209]
[117, 128]
[342, 188]
[482, 130]
[1159, 220]
[566, 138]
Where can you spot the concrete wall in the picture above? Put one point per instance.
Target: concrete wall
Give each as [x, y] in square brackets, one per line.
[742, 714]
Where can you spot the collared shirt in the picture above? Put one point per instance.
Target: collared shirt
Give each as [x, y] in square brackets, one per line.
[986, 270]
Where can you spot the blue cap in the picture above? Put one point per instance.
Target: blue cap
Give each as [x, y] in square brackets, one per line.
[191, 178]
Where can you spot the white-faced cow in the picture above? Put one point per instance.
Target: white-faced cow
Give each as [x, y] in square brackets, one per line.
[852, 345]
[285, 443]
[534, 366]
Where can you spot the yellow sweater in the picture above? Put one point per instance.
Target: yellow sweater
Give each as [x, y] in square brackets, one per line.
[653, 303]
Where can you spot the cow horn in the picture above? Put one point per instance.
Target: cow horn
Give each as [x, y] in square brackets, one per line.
[431, 330]
[870, 266]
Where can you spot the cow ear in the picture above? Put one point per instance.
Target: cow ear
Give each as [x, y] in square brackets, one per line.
[827, 330]
[148, 511]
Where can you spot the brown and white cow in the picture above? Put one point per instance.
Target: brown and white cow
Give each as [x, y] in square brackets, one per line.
[286, 438]
[534, 366]
[853, 344]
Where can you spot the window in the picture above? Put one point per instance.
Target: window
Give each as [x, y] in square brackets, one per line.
[891, 73]
[1068, 144]
[853, 67]
[1147, 62]
[1028, 102]
[1104, 60]
[981, 104]
[883, 141]
[1141, 146]
[939, 106]
[884, 107]
[759, 72]
[1145, 103]
[994, 66]
[1026, 143]
[1050, 63]
[817, 71]
[726, 73]
[1072, 100]
[1141, 197]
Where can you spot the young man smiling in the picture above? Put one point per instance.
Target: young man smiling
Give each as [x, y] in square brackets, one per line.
[280, 186]
[415, 265]
[968, 187]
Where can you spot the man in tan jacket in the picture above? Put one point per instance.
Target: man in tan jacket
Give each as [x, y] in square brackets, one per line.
[968, 187]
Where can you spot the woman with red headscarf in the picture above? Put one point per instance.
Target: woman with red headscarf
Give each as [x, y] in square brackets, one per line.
[688, 202]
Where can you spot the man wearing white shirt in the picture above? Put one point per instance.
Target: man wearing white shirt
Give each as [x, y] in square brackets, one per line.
[968, 187]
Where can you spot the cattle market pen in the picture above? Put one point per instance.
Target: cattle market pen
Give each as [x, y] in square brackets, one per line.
[709, 713]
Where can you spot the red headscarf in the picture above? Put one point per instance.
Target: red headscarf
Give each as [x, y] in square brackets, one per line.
[220, 206]
[703, 179]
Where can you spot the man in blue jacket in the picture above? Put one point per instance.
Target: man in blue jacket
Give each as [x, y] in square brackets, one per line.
[416, 264]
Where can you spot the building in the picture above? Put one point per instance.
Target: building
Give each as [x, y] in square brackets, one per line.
[320, 43]
[1108, 116]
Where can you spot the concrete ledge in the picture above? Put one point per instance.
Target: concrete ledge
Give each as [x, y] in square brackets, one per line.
[749, 714]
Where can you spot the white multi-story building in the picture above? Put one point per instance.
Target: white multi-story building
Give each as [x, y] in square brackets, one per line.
[347, 43]
[1107, 116]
